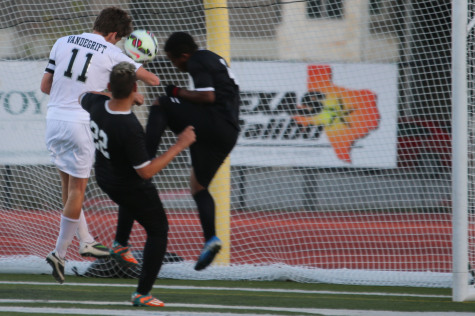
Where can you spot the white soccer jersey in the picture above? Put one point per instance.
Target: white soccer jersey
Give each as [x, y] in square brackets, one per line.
[79, 63]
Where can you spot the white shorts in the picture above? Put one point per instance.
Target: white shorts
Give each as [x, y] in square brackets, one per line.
[71, 147]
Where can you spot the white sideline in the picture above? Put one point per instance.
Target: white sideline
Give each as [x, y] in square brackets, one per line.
[186, 287]
[141, 312]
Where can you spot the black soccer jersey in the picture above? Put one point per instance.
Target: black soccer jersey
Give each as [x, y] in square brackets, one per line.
[210, 72]
[120, 142]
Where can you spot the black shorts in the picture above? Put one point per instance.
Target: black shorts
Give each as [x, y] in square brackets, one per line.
[215, 135]
[141, 201]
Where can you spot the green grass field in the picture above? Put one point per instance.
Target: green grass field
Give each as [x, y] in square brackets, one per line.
[40, 295]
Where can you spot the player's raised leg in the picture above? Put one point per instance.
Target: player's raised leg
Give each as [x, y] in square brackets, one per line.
[156, 124]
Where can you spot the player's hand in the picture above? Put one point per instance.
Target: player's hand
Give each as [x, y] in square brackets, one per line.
[187, 137]
[172, 90]
[138, 99]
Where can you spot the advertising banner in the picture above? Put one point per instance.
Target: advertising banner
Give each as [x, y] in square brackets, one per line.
[312, 115]
[22, 114]
[292, 114]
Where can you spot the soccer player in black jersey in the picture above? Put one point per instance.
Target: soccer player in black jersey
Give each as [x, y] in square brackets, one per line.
[123, 170]
[213, 109]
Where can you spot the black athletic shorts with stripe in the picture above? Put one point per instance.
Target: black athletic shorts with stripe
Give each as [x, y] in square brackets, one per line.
[215, 134]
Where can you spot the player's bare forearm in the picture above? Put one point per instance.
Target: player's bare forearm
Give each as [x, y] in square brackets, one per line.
[46, 83]
[185, 139]
[147, 77]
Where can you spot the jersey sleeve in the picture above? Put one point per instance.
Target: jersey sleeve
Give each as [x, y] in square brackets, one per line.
[89, 99]
[202, 78]
[51, 66]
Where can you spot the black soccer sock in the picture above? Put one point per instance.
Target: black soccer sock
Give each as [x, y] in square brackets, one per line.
[206, 209]
[125, 222]
[153, 254]
[156, 125]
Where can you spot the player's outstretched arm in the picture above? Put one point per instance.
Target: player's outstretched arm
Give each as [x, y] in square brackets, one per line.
[190, 95]
[148, 77]
[185, 139]
[106, 93]
[138, 98]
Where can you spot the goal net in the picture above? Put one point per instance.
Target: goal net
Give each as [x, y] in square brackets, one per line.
[341, 174]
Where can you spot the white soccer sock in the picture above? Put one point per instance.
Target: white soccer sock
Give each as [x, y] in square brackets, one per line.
[83, 231]
[67, 229]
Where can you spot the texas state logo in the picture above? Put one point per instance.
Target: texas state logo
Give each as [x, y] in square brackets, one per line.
[345, 114]
[317, 115]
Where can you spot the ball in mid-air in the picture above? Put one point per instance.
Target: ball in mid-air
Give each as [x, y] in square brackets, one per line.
[141, 45]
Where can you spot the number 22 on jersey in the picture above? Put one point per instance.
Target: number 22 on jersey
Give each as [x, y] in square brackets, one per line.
[100, 139]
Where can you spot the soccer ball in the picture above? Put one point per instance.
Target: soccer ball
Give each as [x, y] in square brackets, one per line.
[141, 45]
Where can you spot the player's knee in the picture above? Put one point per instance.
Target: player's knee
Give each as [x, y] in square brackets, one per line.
[163, 101]
[166, 101]
[157, 228]
[160, 104]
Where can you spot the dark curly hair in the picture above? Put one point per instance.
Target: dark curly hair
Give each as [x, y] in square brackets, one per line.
[113, 19]
[180, 43]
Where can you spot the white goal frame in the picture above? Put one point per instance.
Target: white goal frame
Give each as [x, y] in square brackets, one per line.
[462, 291]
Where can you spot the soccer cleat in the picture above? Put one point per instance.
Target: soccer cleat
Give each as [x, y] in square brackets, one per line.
[146, 300]
[210, 250]
[94, 249]
[58, 266]
[123, 255]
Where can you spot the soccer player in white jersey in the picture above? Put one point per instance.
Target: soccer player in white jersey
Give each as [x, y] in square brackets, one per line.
[80, 63]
